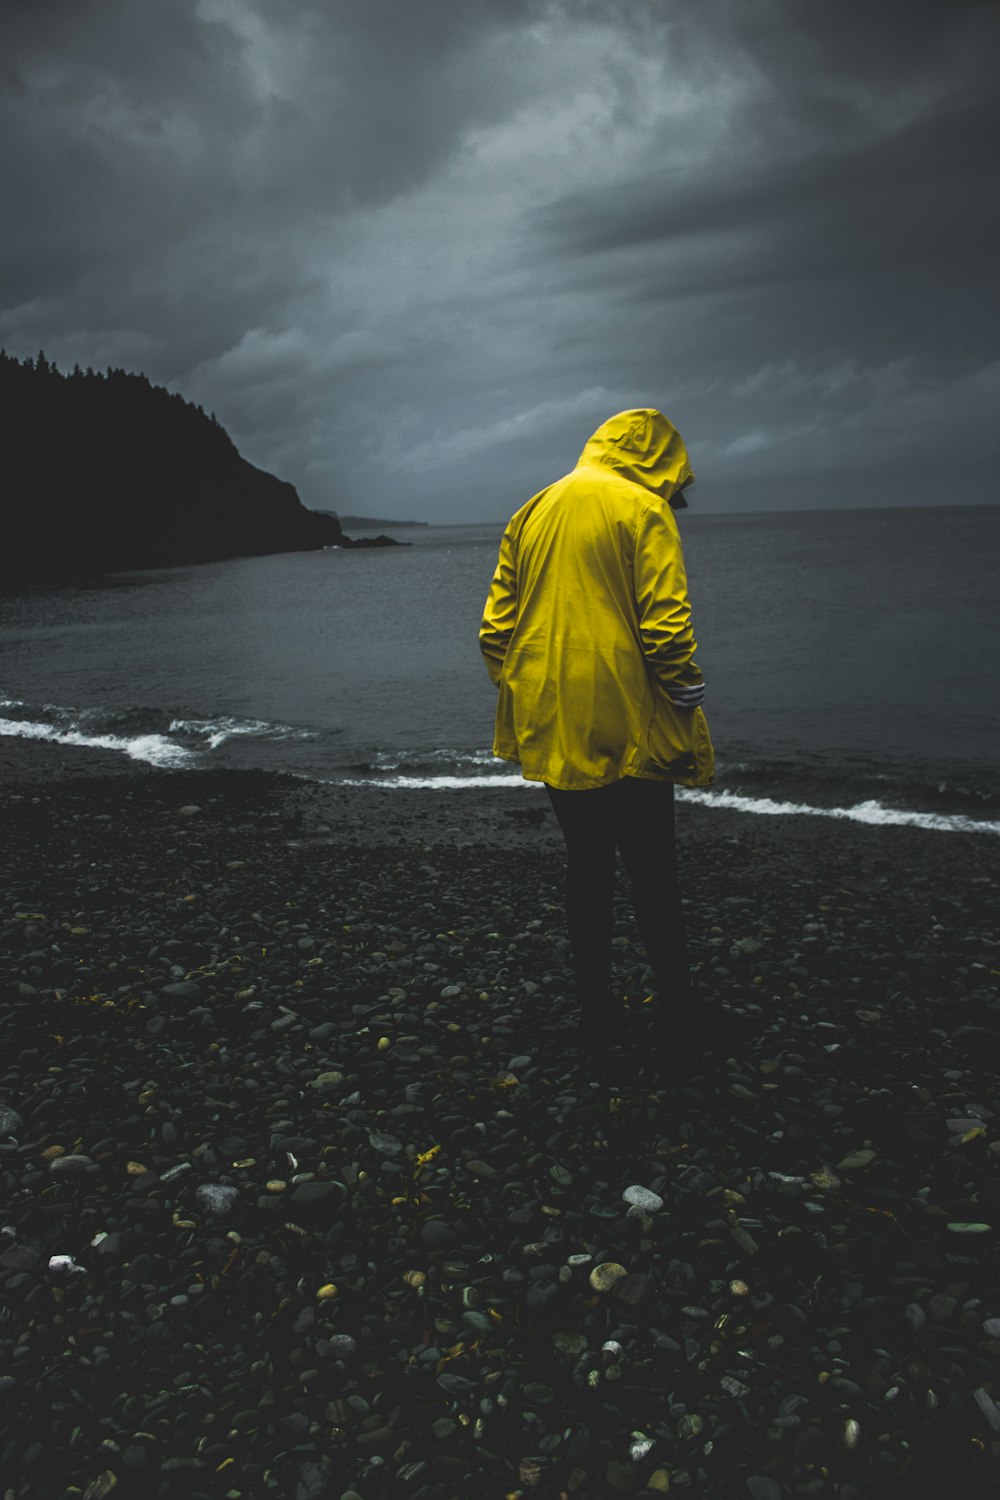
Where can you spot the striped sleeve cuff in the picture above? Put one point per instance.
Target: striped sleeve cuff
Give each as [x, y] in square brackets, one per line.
[687, 697]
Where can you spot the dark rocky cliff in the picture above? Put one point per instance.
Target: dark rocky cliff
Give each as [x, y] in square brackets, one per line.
[104, 472]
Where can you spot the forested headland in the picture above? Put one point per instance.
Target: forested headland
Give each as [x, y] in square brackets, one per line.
[106, 471]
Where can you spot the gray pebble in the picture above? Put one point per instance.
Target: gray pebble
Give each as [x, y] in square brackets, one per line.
[988, 1407]
[308, 1194]
[183, 989]
[217, 1199]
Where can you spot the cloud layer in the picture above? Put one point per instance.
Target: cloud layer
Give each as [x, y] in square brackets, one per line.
[412, 255]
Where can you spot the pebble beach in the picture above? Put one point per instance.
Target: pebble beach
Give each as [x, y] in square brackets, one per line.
[307, 1192]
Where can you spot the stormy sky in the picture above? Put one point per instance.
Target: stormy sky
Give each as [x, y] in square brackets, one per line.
[412, 252]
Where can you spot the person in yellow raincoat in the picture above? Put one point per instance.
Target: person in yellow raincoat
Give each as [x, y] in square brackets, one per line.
[587, 635]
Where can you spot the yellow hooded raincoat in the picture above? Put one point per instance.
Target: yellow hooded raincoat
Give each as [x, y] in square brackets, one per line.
[587, 628]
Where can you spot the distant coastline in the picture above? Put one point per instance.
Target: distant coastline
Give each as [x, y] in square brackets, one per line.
[353, 522]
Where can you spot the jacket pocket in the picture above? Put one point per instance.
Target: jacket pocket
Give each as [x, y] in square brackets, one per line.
[679, 743]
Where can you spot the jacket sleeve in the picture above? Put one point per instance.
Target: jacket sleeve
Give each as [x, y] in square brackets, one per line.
[500, 613]
[664, 611]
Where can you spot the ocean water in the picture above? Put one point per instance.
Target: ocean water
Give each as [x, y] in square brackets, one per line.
[851, 658]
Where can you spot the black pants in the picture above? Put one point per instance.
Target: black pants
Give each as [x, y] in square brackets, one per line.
[637, 818]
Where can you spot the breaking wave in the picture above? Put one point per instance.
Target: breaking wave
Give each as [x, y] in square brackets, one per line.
[156, 737]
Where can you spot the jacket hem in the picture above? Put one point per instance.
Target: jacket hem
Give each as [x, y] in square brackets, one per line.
[593, 786]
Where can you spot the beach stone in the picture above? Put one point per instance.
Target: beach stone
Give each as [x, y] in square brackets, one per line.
[313, 1194]
[11, 1122]
[603, 1277]
[991, 1328]
[376, 1440]
[327, 1080]
[67, 1166]
[182, 989]
[385, 1145]
[189, 810]
[217, 1199]
[314, 1481]
[482, 1169]
[141, 1270]
[961, 1227]
[644, 1198]
[855, 1160]
[102, 1485]
[21, 1258]
[632, 1288]
[570, 1343]
[988, 1407]
[455, 1385]
[112, 1245]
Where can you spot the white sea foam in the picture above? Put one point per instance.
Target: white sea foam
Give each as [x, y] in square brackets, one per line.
[871, 812]
[437, 783]
[862, 812]
[216, 731]
[396, 760]
[154, 749]
[71, 726]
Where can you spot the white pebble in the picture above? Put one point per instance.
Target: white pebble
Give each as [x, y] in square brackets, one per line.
[643, 1197]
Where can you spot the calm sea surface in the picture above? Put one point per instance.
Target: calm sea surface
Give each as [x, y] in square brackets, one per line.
[850, 657]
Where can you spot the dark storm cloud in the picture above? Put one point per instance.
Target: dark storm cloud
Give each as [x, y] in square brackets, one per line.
[154, 150]
[413, 253]
[914, 196]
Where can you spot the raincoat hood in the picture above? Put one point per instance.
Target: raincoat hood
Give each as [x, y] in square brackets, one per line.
[645, 448]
